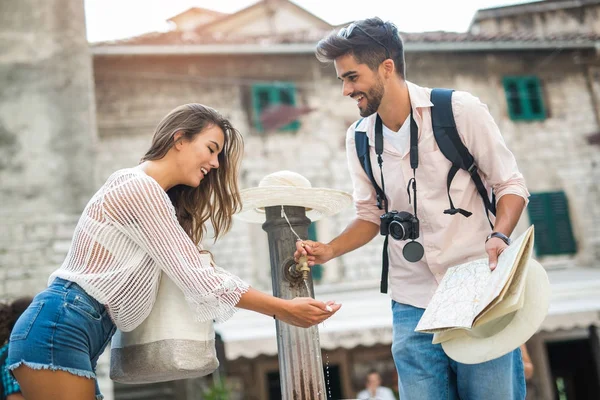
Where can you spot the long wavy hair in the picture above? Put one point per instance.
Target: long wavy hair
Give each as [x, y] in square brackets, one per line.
[9, 314]
[217, 198]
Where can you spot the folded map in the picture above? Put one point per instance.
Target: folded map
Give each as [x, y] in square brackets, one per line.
[470, 294]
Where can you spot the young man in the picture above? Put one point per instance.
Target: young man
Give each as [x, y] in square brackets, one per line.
[369, 60]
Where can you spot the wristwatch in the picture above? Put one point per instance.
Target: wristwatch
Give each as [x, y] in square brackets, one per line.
[499, 235]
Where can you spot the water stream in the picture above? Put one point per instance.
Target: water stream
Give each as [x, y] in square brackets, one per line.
[316, 331]
[327, 382]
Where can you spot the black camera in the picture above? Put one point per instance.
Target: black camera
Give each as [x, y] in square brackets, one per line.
[400, 225]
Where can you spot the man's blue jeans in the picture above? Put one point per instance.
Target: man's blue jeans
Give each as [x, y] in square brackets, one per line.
[425, 372]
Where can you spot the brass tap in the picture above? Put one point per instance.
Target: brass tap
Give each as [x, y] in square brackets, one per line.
[303, 267]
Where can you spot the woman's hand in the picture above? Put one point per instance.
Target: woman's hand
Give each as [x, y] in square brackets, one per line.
[301, 311]
[306, 311]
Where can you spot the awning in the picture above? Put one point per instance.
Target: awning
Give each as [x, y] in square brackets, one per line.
[575, 301]
[365, 318]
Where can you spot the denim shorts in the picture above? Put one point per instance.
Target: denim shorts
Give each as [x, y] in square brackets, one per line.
[64, 329]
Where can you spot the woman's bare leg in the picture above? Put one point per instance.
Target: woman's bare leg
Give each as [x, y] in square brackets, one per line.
[44, 384]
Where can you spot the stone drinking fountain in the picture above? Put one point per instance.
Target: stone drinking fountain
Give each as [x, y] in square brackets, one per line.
[285, 203]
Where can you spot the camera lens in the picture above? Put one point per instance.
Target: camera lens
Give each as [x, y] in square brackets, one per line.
[397, 230]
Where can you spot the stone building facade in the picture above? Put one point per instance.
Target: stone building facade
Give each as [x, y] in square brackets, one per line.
[48, 140]
[542, 18]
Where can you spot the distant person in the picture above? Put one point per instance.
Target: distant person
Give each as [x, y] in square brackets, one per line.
[9, 313]
[144, 221]
[374, 390]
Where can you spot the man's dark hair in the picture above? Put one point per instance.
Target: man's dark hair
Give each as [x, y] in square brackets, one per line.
[371, 41]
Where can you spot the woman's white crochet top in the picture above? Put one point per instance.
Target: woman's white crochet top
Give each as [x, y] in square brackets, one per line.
[126, 237]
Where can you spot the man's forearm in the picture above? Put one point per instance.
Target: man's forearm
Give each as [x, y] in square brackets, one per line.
[358, 233]
[509, 210]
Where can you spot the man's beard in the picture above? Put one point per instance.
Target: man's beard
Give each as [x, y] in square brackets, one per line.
[373, 99]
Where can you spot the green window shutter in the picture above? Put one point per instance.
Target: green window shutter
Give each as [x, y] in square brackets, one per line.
[534, 100]
[549, 212]
[265, 95]
[262, 97]
[317, 269]
[524, 98]
[287, 95]
[511, 89]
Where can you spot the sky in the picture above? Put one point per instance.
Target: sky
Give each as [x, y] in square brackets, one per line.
[116, 19]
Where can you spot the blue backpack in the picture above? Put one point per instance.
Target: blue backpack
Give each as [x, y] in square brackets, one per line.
[449, 142]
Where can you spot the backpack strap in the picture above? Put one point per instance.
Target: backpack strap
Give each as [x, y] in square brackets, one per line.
[450, 144]
[362, 151]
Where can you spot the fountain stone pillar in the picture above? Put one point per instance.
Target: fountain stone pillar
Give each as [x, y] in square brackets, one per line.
[300, 362]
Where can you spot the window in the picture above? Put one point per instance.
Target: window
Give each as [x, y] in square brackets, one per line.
[317, 269]
[549, 213]
[265, 95]
[524, 98]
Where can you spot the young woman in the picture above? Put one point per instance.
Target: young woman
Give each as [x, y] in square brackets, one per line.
[144, 221]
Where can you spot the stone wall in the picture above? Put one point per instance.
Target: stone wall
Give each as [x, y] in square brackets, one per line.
[583, 19]
[47, 140]
[134, 93]
[47, 136]
[128, 109]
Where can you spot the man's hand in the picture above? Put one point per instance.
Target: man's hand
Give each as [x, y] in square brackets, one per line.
[317, 252]
[494, 247]
[508, 211]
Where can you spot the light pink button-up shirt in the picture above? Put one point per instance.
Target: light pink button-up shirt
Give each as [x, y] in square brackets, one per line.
[448, 239]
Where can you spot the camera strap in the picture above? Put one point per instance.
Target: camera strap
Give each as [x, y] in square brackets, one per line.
[412, 183]
[379, 152]
[414, 161]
